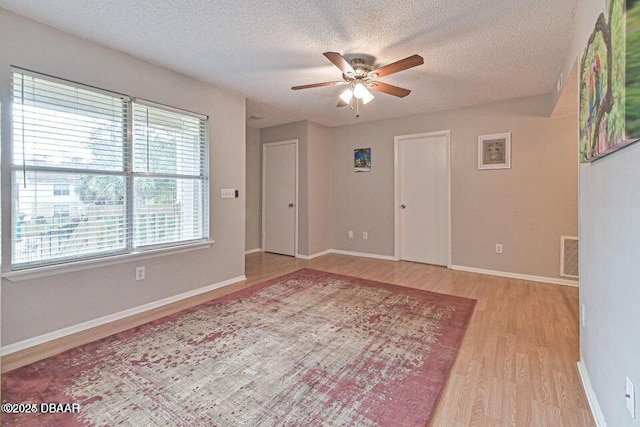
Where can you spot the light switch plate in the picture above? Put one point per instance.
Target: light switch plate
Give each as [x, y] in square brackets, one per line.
[227, 193]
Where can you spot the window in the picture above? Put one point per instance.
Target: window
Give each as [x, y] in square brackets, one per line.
[60, 189]
[60, 214]
[168, 168]
[135, 173]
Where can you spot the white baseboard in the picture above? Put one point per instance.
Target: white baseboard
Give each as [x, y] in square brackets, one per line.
[338, 251]
[364, 255]
[542, 279]
[50, 336]
[253, 251]
[598, 416]
[316, 255]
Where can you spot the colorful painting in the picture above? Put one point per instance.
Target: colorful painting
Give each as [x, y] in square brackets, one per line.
[632, 69]
[609, 82]
[362, 160]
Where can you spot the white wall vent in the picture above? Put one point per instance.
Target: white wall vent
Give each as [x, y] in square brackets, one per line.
[569, 266]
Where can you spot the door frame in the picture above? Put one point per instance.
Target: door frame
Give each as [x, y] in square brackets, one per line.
[396, 200]
[295, 201]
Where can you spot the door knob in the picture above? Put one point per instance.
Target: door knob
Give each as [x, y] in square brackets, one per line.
[290, 205]
[403, 206]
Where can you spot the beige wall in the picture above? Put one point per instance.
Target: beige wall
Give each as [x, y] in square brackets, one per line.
[289, 131]
[319, 179]
[363, 202]
[526, 208]
[314, 156]
[34, 307]
[253, 192]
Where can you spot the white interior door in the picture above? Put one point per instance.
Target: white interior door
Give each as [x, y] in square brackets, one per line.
[423, 198]
[279, 197]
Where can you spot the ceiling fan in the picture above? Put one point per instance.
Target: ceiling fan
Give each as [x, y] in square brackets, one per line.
[361, 76]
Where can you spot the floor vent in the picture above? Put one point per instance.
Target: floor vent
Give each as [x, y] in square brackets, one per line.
[569, 266]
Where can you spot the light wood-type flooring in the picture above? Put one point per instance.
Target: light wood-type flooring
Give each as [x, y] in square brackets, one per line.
[517, 363]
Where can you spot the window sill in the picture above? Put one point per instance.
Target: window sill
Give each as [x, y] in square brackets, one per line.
[51, 270]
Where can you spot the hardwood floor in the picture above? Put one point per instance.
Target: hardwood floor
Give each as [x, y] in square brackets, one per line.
[517, 363]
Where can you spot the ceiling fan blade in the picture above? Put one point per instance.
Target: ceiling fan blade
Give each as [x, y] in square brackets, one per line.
[318, 85]
[339, 61]
[341, 103]
[401, 65]
[390, 89]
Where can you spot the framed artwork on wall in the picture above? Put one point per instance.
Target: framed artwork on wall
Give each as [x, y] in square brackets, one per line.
[494, 151]
[362, 160]
[610, 82]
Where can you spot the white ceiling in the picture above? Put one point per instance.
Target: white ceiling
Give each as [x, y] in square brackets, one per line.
[475, 51]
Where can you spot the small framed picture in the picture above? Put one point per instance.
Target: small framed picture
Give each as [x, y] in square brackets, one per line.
[494, 151]
[362, 160]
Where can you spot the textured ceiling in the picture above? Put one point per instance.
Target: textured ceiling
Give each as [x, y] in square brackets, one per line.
[475, 51]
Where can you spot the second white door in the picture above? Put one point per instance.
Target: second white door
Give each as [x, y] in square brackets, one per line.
[279, 178]
[423, 196]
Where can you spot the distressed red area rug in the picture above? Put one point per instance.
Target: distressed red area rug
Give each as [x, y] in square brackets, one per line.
[306, 349]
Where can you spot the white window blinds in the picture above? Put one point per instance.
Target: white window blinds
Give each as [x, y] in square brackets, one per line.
[169, 158]
[120, 194]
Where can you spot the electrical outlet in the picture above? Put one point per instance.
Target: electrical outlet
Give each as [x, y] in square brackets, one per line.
[630, 396]
[365, 235]
[140, 273]
[351, 234]
[582, 316]
[498, 248]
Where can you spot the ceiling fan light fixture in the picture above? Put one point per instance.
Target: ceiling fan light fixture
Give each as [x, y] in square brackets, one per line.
[367, 97]
[347, 95]
[359, 90]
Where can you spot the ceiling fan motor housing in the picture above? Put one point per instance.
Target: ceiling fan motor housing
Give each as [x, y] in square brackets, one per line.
[361, 69]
